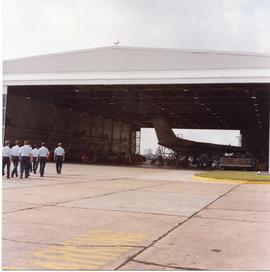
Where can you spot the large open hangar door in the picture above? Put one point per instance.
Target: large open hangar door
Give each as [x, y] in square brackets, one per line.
[97, 98]
[69, 115]
[105, 118]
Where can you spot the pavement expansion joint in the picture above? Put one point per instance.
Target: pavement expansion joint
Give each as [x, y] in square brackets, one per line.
[49, 184]
[121, 211]
[175, 227]
[240, 210]
[114, 179]
[74, 245]
[95, 196]
[111, 193]
[229, 219]
[31, 185]
[168, 266]
[98, 240]
[25, 209]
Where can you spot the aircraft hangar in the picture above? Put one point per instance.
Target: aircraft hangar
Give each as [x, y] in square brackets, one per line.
[98, 99]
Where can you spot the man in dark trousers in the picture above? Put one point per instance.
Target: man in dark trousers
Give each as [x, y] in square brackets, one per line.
[6, 158]
[59, 157]
[26, 158]
[15, 158]
[34, 153]
[43, 154]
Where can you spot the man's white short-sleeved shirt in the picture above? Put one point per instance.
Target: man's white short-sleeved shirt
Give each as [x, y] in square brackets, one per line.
[34, 152]
[59, 151]
[6, 151]
[25, 151]
[15, 151]
[43, 152]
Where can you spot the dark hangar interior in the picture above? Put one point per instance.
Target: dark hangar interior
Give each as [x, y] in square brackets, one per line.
[243, 107]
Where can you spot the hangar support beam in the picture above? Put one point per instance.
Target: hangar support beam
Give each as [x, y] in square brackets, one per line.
[4, 105]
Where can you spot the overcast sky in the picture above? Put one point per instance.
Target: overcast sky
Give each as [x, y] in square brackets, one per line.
[32, 27]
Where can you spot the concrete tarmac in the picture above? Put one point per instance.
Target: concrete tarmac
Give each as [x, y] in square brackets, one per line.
[133, 218]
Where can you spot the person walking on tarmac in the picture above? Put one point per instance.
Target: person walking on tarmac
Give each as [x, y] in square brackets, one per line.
[6, 158]
[26, 158]
[34, 153]
[15, 158]
[59, 157]
[43, 154]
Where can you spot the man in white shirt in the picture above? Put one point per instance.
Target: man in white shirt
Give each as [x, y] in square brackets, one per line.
[34, 153]
[15, 158]
[59, 157]
[43, 154]
[6, 158]
[26, 158]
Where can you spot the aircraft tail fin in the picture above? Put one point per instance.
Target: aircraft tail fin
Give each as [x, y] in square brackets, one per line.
[164, 132]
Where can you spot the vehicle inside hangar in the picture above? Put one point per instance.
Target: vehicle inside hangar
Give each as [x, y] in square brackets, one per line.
[105, 119]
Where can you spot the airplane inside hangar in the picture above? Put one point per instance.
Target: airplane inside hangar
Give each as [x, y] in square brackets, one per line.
[98, 99]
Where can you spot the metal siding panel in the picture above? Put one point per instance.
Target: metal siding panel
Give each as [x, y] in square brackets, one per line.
[122, 59]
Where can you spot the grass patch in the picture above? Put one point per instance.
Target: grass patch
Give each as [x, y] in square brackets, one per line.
[234, 175]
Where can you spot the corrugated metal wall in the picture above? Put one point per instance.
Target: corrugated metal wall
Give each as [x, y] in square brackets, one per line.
[134, 59]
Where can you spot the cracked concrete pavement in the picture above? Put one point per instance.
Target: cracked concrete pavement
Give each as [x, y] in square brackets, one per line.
[133, 218]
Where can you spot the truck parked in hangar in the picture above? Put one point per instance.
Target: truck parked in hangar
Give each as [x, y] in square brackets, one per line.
[245, 162]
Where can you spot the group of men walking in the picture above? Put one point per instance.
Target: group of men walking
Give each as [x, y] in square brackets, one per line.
[29, 158]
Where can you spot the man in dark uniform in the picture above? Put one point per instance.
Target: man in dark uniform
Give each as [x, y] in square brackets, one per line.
[34, 153]
[15, 158]
[43, 154]
[59, 157]
[6, 158]
[26, 158]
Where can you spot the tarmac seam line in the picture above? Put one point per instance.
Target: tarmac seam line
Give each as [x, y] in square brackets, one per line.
[76, 182]
[175, 227]
[25, 209]
[75, 245]
[110, 210]
[27, 185]
[53, 184]
[89, 197]
[168, 266]
[226, 209]
[110, 193]
[230, 219]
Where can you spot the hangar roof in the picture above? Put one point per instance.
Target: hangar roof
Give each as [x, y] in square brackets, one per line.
[137, 65]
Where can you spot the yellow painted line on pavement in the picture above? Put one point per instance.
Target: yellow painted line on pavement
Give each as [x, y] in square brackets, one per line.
[230, 181]
[100, 240]
[121, 235]
[86, 251]
[104, 237]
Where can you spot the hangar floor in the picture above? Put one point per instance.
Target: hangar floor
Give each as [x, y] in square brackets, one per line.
[132, 218]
